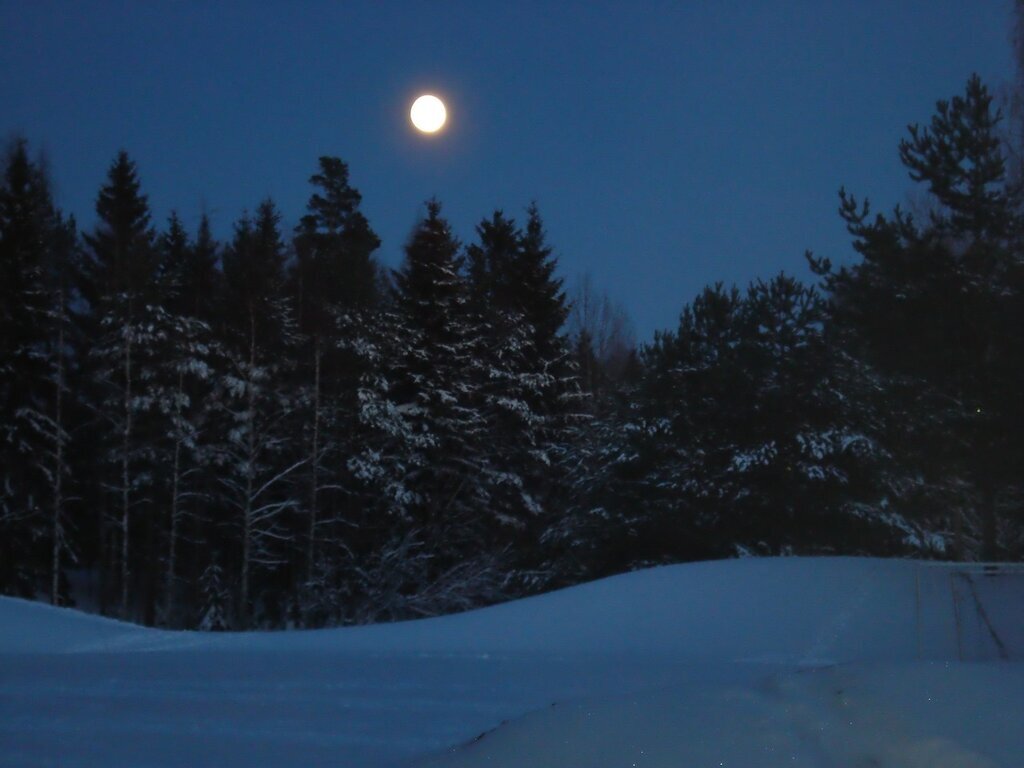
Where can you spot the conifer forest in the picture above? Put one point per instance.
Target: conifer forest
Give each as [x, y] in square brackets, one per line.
[277, 431]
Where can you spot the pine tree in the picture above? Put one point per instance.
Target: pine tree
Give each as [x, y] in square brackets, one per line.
[182, 387]
[434, 374]
[37, 267]
[935, 308]
[123, 261]
[255, 447]
[490, 264]
[57, 406]
[215, 613]
[334, 273]
[529, 393]
[686, 436]
[386, 560]
[189, 364]
[334, 246]
[20, 312]
[807, 452]
[745, 437]
[600, 524]
[512, 275]
[538, 292]
[551, 376]
[437, 378]
[120, 287]
[512, 380]
[200, 279]
[173, 249]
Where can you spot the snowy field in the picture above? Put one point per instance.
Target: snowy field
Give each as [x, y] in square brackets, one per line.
[747, 663]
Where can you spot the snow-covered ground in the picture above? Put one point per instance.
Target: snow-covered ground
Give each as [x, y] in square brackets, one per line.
[759, 662]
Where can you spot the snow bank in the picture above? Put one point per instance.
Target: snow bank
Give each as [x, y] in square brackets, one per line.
[791, 610]
[730, 659]
[30, 627]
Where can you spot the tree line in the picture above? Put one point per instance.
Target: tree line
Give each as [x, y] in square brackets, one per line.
[276, 431]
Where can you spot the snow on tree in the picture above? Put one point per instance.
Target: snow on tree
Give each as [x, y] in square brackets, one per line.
[215, 615]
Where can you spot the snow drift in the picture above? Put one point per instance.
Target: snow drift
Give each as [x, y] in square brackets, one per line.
[746, 642]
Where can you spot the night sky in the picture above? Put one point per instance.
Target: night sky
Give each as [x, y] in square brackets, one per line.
[668, 145]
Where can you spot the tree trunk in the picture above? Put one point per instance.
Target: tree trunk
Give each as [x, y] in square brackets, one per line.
[125, 470]
[170, 595]
[243, 608]
[57, 531]
[314, 465]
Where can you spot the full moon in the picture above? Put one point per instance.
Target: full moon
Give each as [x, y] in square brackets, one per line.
[428, 113]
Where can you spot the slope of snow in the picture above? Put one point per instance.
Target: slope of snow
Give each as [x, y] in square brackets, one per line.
[30, 627]
[919, 715]
[789, 610]
[666, 654]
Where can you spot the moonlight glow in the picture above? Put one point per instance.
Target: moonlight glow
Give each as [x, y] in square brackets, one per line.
[428, 114]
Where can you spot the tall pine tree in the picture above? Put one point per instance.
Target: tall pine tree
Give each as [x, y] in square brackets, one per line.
[38, 268]
[935, 307]
[120, 285]
[334, 274]
[256, 447]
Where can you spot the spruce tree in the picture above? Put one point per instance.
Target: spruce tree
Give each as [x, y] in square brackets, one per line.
[438, 376]
[172, 249]
[200, 279]
[435, 372]
[490, 264]
[539, 292]
[529, 394]
[512, 274]
[511, 383]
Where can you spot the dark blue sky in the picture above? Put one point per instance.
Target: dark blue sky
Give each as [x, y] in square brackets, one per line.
[668, 144]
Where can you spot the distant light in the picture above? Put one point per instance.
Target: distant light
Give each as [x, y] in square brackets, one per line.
[428, 114]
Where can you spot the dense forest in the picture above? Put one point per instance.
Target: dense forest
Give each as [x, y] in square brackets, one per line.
[277, 431]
